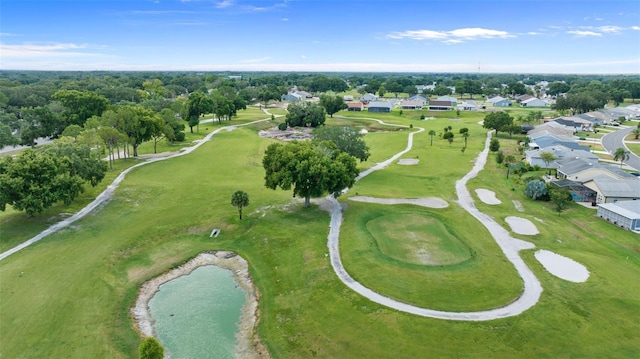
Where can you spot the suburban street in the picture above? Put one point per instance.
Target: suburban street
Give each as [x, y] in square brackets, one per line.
[614, 140]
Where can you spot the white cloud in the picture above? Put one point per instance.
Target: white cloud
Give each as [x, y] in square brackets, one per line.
[225, 4]
[303, 57]
[284, 19]
[251, 61]
[637, 28]
[49, 50]
[450, 37]
[610, 29]
[583, 33]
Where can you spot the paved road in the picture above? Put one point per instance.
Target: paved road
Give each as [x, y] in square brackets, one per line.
[614, 140]
[510, 247]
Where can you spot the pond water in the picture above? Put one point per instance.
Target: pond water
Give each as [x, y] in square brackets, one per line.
[197, 315]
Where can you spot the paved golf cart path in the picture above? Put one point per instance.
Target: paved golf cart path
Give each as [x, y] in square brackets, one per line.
[510, 247]
[107, 194]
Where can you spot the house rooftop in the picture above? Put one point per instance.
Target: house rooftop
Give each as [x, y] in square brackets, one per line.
[611, 187]
[628, 209]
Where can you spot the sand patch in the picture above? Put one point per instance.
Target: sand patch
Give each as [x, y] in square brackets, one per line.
[562, 267]
[487, 196]
[409, 161]
[249, 345]
[522, 226]
[430, 202]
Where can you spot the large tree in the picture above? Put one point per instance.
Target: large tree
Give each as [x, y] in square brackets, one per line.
[36, 179]
[497, 121]
[80, 105]
[332, 104]
[305, 114]
[150, 348]
[547, 158]
[197, 104]
[347, 139]
[312, 169]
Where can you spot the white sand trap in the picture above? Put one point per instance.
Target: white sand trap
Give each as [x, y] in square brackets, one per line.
[409, 161]
[431, 202]
[562, 267]
[522, 225]
[487, 196]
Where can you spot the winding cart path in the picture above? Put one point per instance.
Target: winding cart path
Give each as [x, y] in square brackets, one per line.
[510, 247]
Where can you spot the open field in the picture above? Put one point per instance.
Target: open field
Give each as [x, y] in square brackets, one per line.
[69, 295]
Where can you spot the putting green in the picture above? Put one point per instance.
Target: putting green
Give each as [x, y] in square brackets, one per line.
[417, 239]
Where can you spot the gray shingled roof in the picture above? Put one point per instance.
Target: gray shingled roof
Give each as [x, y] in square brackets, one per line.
[610, 187]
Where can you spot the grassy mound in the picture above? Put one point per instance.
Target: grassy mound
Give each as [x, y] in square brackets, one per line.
[417, 239]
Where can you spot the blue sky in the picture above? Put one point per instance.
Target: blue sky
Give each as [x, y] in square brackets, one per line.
[515, 36]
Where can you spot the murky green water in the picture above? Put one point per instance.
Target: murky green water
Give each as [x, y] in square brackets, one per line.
[196, 316]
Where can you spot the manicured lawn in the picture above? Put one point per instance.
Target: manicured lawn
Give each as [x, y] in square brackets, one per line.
[68, 296]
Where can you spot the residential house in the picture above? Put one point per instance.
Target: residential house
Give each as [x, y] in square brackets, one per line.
[347, 97]
[379, 106]
[534, 157]
[499, 101]
[423, 88]
[573, 123]
[525, 97]
[468, 105]
[583, 171]
[625, 214]
[291, 97]
[411, 105]
[550, 129]
[612, 190]
[355, 106]
[418, 98]
[453, 100]
[551, 140]
[368, 97]
[534, 102]
[435, 105]
[304, 94]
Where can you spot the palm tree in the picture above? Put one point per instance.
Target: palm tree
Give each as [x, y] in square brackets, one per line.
[621, 155]
[432, 133]
[510, 160]
[465, 135]
[239, 199]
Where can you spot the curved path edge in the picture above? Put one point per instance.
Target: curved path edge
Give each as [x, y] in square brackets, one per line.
[509, 246]
[106, 195]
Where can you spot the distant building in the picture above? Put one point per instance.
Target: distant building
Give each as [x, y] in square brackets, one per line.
[435, 105]
[355, 106]
[379, 106]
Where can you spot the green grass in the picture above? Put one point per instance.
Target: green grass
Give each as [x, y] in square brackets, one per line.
[69, 295]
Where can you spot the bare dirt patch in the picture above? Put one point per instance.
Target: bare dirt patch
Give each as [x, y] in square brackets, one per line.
[290, 134]
[409, 161]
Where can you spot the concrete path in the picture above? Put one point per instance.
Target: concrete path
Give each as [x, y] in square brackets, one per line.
[510, 247]
[107, 194]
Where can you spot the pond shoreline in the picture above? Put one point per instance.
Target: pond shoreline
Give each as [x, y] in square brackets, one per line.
[249, 345]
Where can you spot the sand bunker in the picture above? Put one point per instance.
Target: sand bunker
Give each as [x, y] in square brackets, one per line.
[431, 202]
[522, 226]
[408, 161]
[487, 196]
[562, 267]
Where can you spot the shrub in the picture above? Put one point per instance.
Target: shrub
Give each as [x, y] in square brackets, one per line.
[282, 126]
[150, 348]
[180, 136]
[536, 189]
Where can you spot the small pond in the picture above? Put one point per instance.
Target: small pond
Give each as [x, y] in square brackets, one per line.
[197, 315]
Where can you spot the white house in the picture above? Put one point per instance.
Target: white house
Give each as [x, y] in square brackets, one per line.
[453, 100]
[624, 214]
[534, 102]
[368, 97]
